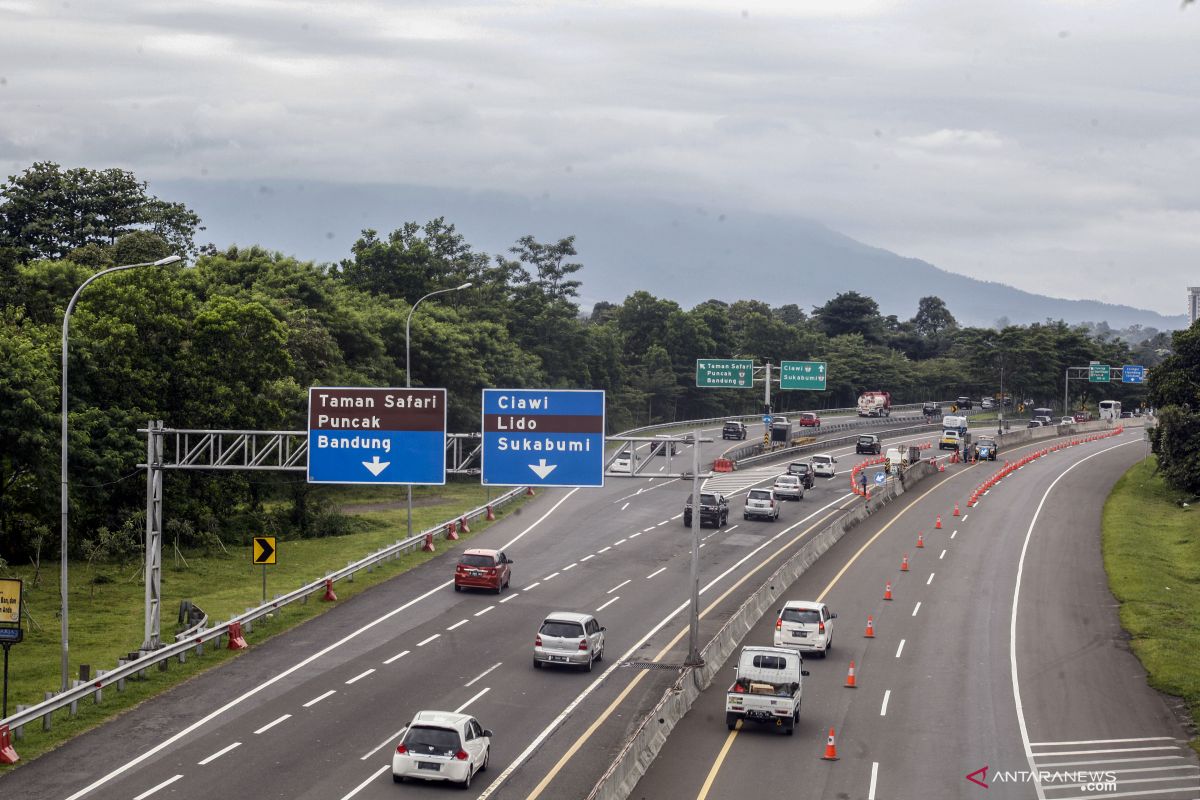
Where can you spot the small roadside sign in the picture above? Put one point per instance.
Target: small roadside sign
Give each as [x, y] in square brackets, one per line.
[767, 419]
[725, 373]
[264, 550]
[807, 375]
[10, 601]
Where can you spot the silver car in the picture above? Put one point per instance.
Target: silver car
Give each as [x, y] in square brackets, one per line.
[569, 638]
[761, 503]
[788, 487]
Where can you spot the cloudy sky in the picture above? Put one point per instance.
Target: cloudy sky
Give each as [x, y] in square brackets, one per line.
[1055, 143]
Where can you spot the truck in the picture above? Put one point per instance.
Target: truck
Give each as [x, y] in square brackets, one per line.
[874, 404]
[954, 423]
[767, 688]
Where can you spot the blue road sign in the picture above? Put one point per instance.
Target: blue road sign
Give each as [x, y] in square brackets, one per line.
[767, 419]
[880, 477]
[1132, 373]
[543, 437]
[373, 435]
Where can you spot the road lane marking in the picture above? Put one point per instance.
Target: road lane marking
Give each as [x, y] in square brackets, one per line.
[510, 597]
[550, 577]
[658, 571]
[619, 585]
[664, 522]
[424, 642]
[221, 752]
[533, 585]
[964, 518]
[887, 695]
[647, 530]
[629, 687]
[1012, 623]
[397, 657]
[1104, 741]
[272, 724]
[620, 542]
[585, 558]
[954, 534]
[727, 530]
[635, 535]
[930, 580]
[363, 785]
[319, 698]
[484, 611]
[625, 506]
[604, 550]
[608, 603]
[900, 649]
[360, 676]
[162, 785]
[712, 773]
[458, 624]
[384, 743]
[538, 521]
[916, 608]
[1108, 761]
[943, 555]
[481, 693]
[874, 777]
[570, 566]
[480, 675]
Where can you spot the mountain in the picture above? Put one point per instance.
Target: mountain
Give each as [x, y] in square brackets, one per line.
[685, 254]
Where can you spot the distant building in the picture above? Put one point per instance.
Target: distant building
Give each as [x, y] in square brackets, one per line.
[1193, 304]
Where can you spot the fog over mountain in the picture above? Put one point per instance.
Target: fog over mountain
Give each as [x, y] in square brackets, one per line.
[686, 254]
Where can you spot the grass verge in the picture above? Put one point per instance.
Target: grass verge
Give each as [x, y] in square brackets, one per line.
[107, 617]
[1152, 556]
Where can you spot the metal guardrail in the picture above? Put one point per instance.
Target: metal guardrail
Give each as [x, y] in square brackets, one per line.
[198, 637]
[753, 417]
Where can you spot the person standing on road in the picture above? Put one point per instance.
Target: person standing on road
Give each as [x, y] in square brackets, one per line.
[862, 481]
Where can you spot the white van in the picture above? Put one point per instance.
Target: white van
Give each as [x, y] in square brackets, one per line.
[823, 465]
[894, 461]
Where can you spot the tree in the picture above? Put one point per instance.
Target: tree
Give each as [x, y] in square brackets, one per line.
[850, 312]
[1175, 392]
[932, 317]
[48, 212]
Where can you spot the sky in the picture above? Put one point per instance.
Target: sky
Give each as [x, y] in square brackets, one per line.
[1053, 145]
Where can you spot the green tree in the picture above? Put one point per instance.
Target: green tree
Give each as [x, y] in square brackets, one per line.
[850, 312]
[1175, 392]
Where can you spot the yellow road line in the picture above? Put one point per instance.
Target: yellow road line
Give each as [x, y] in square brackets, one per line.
[716, 767]
[604, 715]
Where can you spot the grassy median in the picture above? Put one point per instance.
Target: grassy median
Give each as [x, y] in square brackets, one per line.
[107, 616]
[1152, 555]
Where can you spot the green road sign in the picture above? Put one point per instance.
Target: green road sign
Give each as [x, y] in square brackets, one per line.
[808, 375]
[725, 373]
[1098, 373]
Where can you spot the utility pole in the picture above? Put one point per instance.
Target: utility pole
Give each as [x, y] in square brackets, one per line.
[693, 658]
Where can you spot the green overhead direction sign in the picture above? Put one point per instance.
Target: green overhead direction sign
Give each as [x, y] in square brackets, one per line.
[725, 373]
[1098, 373]
[808, 375]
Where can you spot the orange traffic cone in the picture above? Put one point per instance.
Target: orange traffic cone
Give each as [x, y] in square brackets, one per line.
[851, 682]
[938, 525]
[920, 539]
[870, 632]
[904, 563]
[491, 515]
[830, 747]
[887, 591]
[956, 510]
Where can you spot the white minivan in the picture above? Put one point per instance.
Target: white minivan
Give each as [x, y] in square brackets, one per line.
[823, 465]
[806, 626]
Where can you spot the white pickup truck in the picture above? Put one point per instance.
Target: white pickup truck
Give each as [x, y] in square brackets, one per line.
[767, 688]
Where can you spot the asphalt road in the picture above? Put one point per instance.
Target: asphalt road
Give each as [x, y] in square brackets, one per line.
[314, 713]
[935, 697]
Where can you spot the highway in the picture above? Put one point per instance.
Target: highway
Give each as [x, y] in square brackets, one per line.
[316, 712]
[301, 715]
[941, 694]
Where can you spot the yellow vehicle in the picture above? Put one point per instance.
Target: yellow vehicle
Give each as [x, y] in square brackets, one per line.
[951, 440]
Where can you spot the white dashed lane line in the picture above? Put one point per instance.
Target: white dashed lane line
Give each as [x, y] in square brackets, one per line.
[964, 518]
[609, 603]
[883, 709]
[319, 698]
[384, 743]
[222, 752]
[360, 676]
[483, 611]
[480, 676]
[364, 784]
[647, 530]
[424, 642]
[550, 577]
[399, 655]
[272, 724]
[620, 542]
[572, 565]
[510, 597]
[482, 692]
[154, 789]
[458, 624]
[619, 585]
[930, 580]
[900, 649]
[954, 534]
[916, 608]
[533, 585]
[585, 558]
[874, 780]
[658, 571]
[635, 535]
[603, 550]
[943, 555]
[625, 506]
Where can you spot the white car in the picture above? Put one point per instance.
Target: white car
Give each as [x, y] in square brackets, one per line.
[1067, 421]
[823, 465]
[621, 464]
[442, 746]
[805, 626]
[761, 503]
[788, 487]
[568, 638]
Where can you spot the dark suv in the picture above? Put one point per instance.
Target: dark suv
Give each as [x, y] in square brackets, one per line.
[733, 430]
[804, 471]
[931, 410]
[714, 510]
[868, 443]
[963, 403]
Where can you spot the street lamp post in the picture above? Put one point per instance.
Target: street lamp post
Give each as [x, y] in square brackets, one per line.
[65, 503]
[408, 366]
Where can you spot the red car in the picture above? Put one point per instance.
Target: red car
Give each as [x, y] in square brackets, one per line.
[482, 569]
[809, 420]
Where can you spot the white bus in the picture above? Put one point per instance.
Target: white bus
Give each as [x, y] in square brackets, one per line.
[1110, 409]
